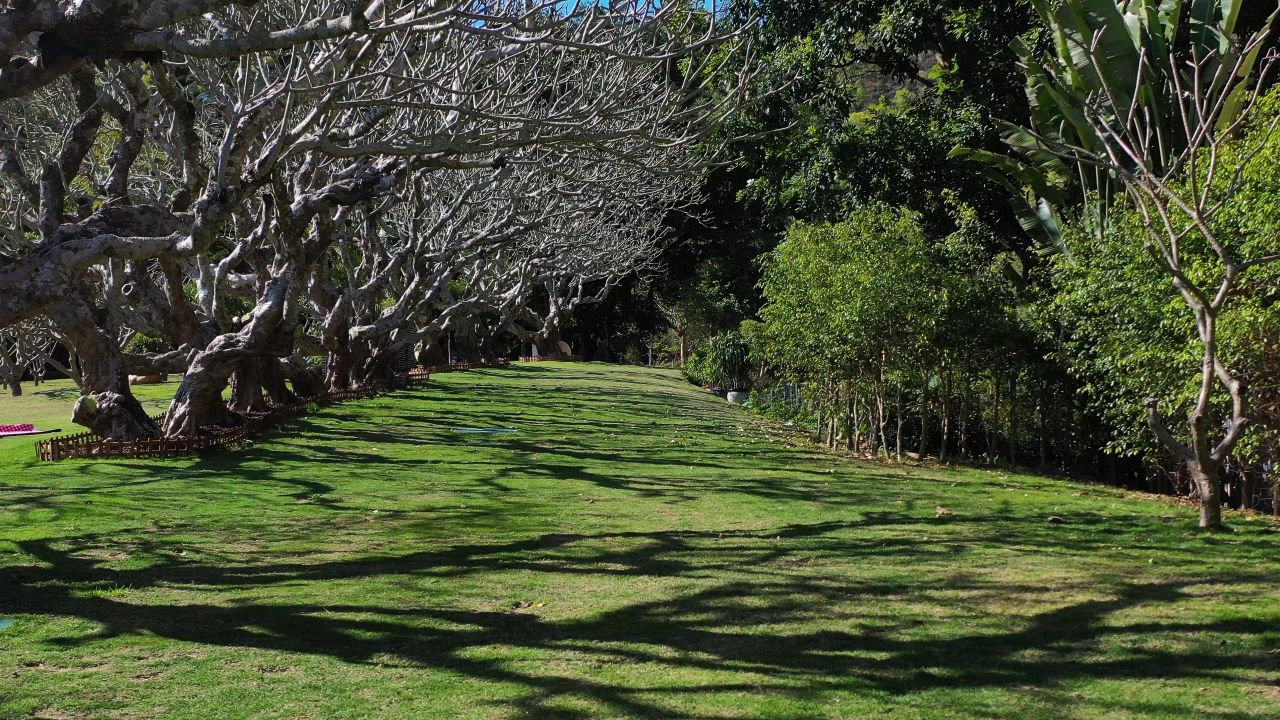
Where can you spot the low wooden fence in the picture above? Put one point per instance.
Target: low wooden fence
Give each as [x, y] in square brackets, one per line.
[88, 445]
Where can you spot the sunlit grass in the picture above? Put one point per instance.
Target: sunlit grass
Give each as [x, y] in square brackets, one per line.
[637, 548]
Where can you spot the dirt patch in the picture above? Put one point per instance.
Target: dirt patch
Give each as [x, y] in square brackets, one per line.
[55, 714]
[1266, 690]
[45, 667]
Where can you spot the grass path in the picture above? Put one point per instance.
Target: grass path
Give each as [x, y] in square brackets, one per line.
[636, 548]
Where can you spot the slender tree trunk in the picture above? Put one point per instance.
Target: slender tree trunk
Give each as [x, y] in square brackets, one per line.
[851, 418]
[1208, 485]
[819, 425]
[341, 365]
[899, 416]
[995, 415]
[1205, 458]
[867, 439]
[922, 445]
[15, 388]
[832, 397]
[1044, 426]
[882, 420]
[946, 415]
[1248, 489]
[73, 362]
[873, 446]
[1013, 420]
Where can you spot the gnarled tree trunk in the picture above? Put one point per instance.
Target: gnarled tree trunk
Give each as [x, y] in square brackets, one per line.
[106, 406]
[198, 402]
[272, 373]
[246, 386]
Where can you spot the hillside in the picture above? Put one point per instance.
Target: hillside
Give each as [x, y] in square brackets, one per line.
[586, 541]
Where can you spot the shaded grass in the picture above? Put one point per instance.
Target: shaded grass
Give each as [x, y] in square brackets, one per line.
[636, 549]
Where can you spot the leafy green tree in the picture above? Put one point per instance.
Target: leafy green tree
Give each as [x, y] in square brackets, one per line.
[959, 47]
[1143, 99]
[879, 92]
[1132, 337]
[855, 303]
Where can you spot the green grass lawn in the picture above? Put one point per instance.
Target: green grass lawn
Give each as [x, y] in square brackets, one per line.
[637, 548]
[48, 406]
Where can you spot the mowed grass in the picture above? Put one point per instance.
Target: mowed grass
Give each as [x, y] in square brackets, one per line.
[48, 406]
[637, 548]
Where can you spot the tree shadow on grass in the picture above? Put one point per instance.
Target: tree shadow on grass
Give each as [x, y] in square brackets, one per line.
[756, 612]
[761, 605]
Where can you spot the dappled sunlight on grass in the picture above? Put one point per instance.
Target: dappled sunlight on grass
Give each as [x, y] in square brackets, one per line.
[637, 548]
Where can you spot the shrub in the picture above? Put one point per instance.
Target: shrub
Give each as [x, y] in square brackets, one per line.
[723, 362]
[695, 366]
[141, 344]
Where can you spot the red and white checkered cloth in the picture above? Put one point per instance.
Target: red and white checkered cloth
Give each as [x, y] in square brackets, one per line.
[26, 429]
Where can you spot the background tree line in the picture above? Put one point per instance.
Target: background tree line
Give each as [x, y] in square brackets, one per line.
[899, 298]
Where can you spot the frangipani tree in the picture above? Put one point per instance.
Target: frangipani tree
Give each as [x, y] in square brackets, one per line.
[234, 178]
[1139, 100]
[25, 348]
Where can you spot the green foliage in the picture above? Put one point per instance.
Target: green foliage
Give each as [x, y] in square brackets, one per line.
[865, 118]
[695, 366]
[841, 298]
[970, 39]
[894, 153]
[728, 362]
[1131, 337]
[142, 344]
[724, 362]
[1122, 59]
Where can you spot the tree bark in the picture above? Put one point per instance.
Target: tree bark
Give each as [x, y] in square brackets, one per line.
[1013, 420]
[851, 411]
[946, 415]
[271, 372]
[819, 425]
[1044, 426]
[465, 341]
[922, 445]
[106, 406]
[246, 386]
[882, 421]
[307, 379]
[198, 402]
[1209, 486]
[898, 415]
